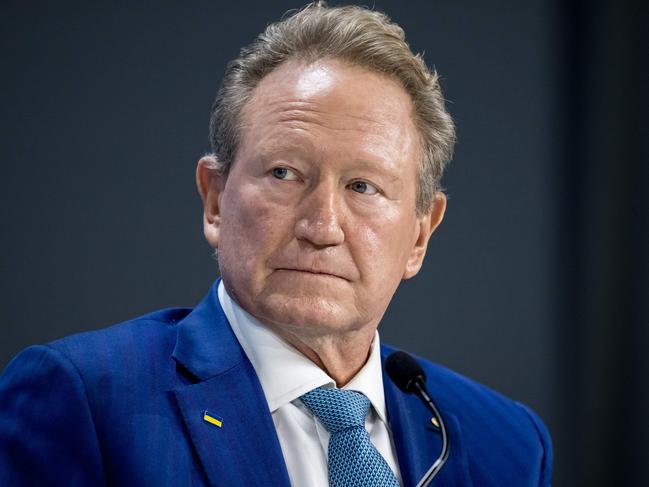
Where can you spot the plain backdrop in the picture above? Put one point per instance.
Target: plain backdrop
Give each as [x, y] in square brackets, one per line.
[105, 112]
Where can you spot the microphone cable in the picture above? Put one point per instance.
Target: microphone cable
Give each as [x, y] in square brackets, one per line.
[408, 376]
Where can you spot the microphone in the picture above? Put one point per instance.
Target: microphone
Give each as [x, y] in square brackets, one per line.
[408, 376]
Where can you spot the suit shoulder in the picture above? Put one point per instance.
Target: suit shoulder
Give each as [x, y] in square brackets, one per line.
[134, 350]
[144, 333]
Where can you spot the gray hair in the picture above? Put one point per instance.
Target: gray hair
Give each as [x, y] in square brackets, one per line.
[357, 35]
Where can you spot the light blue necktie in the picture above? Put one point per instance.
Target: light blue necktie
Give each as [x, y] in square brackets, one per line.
[353, 459]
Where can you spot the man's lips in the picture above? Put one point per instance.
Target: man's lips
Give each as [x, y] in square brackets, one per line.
[316, 272]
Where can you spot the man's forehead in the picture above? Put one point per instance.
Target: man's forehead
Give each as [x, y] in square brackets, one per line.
[361, 92]
[330, 95]
[316, 78]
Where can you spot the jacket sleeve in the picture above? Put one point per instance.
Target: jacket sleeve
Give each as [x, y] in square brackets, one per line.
[546, 460]
[47, 435]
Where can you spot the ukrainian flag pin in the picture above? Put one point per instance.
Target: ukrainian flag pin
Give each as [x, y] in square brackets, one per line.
[435, 422]
[213, 419]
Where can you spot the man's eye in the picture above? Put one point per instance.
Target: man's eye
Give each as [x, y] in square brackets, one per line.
[363, 187]
[284, 173]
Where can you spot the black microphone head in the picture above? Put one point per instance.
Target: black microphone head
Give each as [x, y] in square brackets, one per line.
[404, 371]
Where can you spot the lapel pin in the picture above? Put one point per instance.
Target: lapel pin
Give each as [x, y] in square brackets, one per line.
[435, 422]
[213, 419]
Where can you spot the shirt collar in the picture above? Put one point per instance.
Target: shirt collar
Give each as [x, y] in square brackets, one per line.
[284, 373]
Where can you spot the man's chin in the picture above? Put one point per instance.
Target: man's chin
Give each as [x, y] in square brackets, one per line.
[308, 314]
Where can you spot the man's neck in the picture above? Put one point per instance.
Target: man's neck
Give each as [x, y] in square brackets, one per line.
[341, 356]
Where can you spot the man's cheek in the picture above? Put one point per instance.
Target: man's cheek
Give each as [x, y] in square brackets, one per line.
[259, 214]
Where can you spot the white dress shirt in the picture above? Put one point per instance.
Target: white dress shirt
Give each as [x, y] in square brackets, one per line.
[285, 374]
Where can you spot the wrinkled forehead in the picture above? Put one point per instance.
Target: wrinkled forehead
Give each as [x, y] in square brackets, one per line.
[305, 80]
[335, 94]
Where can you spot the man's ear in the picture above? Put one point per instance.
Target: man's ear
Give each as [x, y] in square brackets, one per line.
[426, 225]
[210, 185]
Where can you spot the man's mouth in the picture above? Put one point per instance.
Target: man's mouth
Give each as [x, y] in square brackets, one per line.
[315, 272]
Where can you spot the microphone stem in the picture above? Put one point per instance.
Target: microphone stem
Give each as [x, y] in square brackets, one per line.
[421, 392]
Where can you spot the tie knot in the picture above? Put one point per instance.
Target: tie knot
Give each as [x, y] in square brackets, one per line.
[337, 409]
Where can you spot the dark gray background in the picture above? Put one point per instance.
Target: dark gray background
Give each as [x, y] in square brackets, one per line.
[535, 284]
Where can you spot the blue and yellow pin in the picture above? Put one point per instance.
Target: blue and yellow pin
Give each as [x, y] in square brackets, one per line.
[213, 419]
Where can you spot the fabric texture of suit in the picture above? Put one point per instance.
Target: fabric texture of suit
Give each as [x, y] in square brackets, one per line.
[125, 406]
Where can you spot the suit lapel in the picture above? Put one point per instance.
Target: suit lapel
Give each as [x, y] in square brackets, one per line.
[244, 449]
[418, 443]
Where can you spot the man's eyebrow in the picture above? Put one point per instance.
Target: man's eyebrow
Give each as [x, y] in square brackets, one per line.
[281, 145]
[392, 172]
[294, 142]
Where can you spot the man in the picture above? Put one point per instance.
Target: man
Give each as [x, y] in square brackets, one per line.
[330, 139]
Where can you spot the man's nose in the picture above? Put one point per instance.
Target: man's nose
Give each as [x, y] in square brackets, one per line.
[319, 218]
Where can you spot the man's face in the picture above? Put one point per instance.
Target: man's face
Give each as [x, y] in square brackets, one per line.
[316, 222]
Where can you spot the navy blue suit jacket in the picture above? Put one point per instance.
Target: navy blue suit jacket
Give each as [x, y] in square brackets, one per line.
[125, 405]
